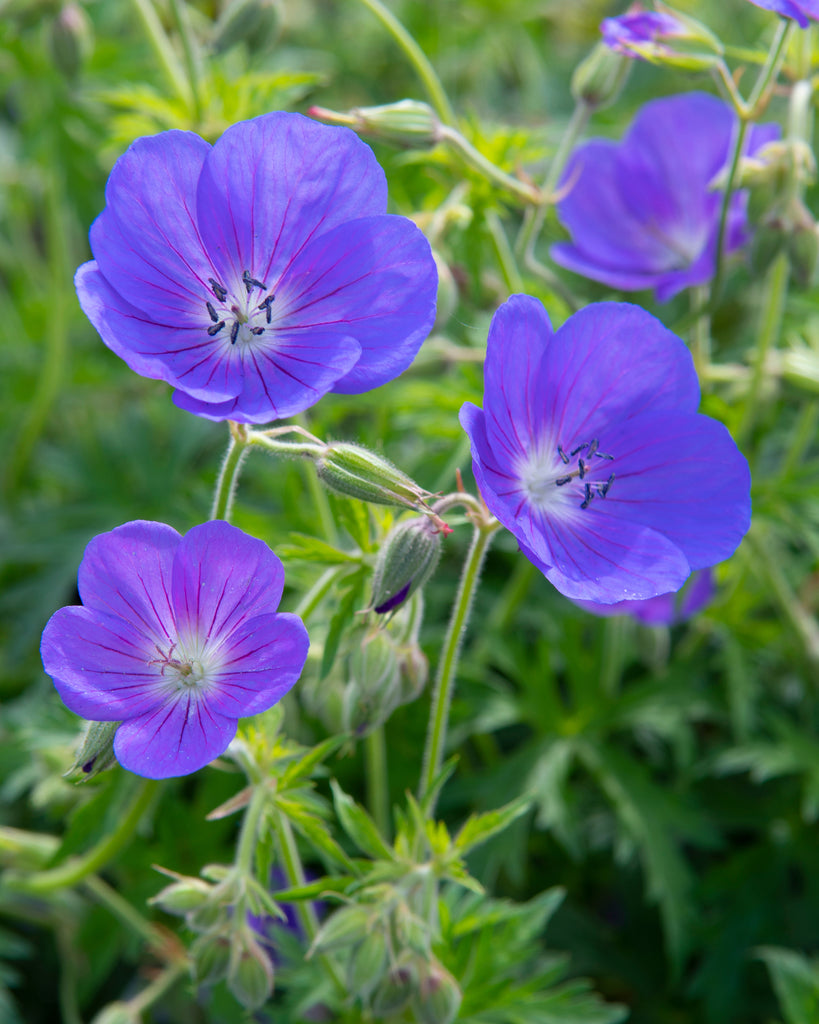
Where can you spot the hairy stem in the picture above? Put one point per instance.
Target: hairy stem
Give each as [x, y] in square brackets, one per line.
[378, 791]
[229, 474]
[445, 678]
[77, 869]
[416, 56]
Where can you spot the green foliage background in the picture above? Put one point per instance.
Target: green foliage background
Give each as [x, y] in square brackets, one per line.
[674, 775]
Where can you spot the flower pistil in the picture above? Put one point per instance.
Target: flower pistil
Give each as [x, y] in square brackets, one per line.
[538, 477]
[233, 311]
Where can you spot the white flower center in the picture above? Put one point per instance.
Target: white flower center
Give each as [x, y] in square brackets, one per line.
[244, 319]
[548, 474]
[185, 667]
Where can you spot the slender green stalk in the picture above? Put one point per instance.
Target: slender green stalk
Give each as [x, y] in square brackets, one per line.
[52, 362]
[67, 944]
[229, 474]
[122, 909]
[320, 589]
[701, 333]
[378, 790]
[152, 993]
[416, 56]
[770, 327]
[533, 222]
[251, 826]
[191, 55]
[445, 679]
[305, 911]
[475, 159]
[164, 51]
[77, 869]
[746, 113]
[766, 564]
[322, 503]
[503, 251]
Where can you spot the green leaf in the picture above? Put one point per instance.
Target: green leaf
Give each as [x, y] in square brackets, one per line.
[302, 547]
[479, 827]
[343, 616]
[314, 831]
[796, 982]
[304, 767]
[359, 826]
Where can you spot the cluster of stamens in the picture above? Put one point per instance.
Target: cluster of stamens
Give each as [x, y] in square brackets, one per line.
[591, 489]
[235, 316]
[188, 673]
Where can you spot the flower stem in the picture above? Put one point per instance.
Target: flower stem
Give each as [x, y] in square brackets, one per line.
[701, 333]
[746, 112]
[164, 51]
[445, 679]
[305, 910]
[378, 790]
[190, 51]
[229, 473]
[77, 869]
[533, 223]
[152, 993]
[251, 824]
[503, 251]
[770, 326]
[478, 162]
[416, 56]
[127, 914]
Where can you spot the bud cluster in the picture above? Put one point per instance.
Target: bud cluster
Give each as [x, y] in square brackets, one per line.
[387, 940]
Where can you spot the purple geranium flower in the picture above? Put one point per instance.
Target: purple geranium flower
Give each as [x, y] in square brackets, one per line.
[590, 450]
[665, 609]
[257, 274]
[800, 10]
[641, 212]
[178, 637]
[630, 32]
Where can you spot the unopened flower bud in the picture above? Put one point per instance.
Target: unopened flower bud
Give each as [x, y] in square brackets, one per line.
[803, 250]
[353, 470]
[367, 965]
[408, 557]
[447, 293]
[406, 123]
[347, 927]
[395, 990]
[210, 954]
[250, 972]
[413, 665]
[96, 753]
[373, 689]
[183, 896]
[71, 40]
[240, 22]
[600, 77]
[439, 997]
[117, 1013]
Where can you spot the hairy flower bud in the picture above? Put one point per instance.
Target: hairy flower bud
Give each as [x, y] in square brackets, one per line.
[353, 470]
[117, 1013]
[367, 964]
[373, 690]
[183, 896]
[71, 40]
[96, 753]
[345, 928]
[210, 954]
[408, 557]
[250, 971]
[406, 123]
[396, 989]
[600, 77]
[439, 998]
[245, 21]
[413, 665]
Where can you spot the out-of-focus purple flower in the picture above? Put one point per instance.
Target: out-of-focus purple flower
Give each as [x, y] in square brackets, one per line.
[177, 638]
[266, 926]
[800, 10]
[641, 212]
[630, 32]
[665, 609]
[257, 274]
[590, 450]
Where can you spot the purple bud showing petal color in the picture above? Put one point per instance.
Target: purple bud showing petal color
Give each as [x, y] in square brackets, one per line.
[800, 10]
[665, 609]
[638, 27]
[641, 212]
[177, 638]
[662, 490]
[260, 273]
